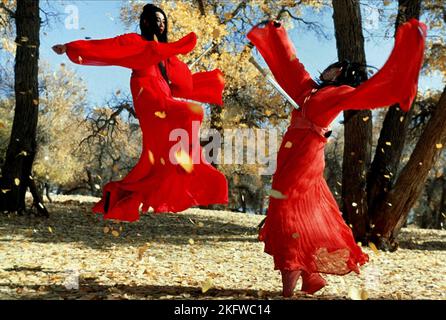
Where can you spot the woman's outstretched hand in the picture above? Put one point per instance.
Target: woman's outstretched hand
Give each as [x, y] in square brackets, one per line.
[60, 48]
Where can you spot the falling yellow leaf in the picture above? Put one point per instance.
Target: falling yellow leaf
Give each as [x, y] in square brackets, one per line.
[389, 204]
[191, 241]
[354, 204]
[184, 160]
[162, 161]
[160, 114]
[17, 181]
[80, 60]
[6, 190]
[373, 247]
[382, 150]
[35, 102]
[268, 113]
[195, 107]
[151, 157]
[106, 230]
[388, 143]
[140, 91]
[115, 233]
[401, 119]
[439, 145]
[206, 285]
[277, 194]
[50, 229]
[23, 153]
[365, 119]
[386, 176]
[288, 145]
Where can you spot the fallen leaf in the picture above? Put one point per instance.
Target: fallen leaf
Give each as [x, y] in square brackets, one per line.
[141, 251]
[357, 294]
[206, 285]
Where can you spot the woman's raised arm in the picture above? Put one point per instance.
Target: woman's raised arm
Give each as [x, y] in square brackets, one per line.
[279, 53]
[397, 80]
[128, 50]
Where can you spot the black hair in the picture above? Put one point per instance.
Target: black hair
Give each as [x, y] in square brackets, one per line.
[352, 74]
[149, 29]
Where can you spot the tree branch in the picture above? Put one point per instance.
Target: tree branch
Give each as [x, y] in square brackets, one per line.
[9, 11]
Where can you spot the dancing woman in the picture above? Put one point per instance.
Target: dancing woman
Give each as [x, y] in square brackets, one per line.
[304, 230]
[168, 176]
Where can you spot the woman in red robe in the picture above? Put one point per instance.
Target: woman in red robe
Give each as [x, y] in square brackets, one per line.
[170, 176]
[304, 230]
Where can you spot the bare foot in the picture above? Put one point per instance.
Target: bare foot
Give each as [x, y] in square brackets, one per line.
[289, 280]
[312, 282]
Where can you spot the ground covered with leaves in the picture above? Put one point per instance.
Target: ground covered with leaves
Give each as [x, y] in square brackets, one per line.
[197, 254]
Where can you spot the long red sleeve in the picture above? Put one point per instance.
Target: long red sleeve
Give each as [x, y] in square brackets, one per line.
[201, 86]
[280, 55]
[128, 50]
[397, 80]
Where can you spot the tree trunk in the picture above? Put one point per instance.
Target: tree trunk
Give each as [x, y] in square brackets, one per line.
[394, 130]
[357, 132]
[22, 145]
[393, 211]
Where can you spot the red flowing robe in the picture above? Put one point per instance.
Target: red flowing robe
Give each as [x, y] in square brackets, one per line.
[161, 180]
[304, 228]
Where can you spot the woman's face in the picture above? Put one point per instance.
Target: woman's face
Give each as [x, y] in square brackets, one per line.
[160, 21]
[331, 74]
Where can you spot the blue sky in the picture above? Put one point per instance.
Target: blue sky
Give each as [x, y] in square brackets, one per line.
[100, 19]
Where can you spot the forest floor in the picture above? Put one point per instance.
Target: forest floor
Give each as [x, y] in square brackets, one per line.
[197, 254]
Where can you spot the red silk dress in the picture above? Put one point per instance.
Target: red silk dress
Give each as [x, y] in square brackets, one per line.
[169, 177]
[304, 228]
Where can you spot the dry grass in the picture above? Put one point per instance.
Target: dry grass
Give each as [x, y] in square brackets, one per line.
[180, 256]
